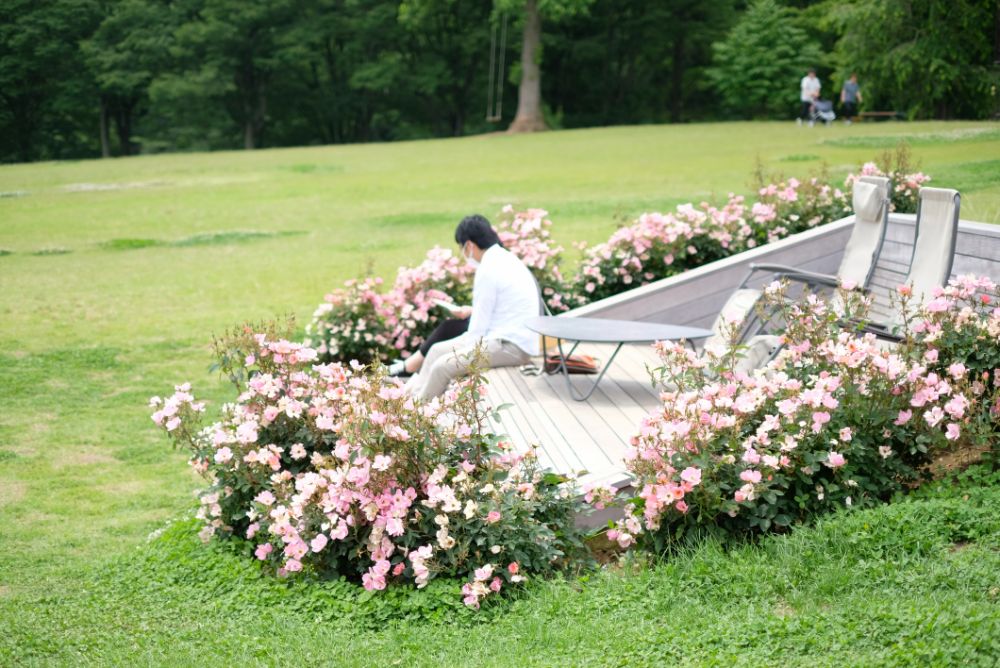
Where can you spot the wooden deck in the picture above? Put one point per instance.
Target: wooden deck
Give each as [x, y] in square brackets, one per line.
[583, 437]
[590, 438]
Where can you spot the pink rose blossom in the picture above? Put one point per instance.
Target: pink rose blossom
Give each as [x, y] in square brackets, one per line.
[318, 543]
[691, 475]
[835, 460]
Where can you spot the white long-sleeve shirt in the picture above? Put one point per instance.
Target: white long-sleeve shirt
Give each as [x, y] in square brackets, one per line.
[810, 88]
[504, 296]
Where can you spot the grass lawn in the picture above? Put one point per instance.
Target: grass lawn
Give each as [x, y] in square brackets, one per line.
[114, 274]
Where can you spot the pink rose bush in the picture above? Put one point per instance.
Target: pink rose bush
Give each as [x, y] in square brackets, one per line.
[361, 322]
[526, 235]
[904, 187]
[837, 419]
[657, 245]
[793, 206]
[410, 312]
[958, 331]
[351, 323]
[331, 470]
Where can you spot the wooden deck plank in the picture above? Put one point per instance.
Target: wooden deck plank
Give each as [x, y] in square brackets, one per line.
[589, 437]
[612, 402]
[513, 420]
[636, 359]
[628, 372]
[550, 442]
[555, 433]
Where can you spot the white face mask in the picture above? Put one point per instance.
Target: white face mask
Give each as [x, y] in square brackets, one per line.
[473, 262]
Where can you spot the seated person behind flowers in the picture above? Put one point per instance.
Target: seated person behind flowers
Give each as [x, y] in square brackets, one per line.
[504, 297]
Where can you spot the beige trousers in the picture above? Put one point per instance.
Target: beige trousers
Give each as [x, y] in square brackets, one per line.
[446, 361]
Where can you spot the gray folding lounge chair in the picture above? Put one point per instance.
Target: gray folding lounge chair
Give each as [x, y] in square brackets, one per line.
[871, 206]
[934, 246]
[933, 252]
[870, 200]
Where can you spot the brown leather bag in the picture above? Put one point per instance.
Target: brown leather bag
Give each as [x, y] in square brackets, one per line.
[582, 364]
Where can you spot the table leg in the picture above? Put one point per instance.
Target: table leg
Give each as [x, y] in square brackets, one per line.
[566, 374]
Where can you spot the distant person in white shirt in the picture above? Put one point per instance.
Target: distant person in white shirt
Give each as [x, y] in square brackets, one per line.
[504, 297]
[810, 93]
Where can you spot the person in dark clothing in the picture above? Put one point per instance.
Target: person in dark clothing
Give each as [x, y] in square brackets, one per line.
[850, 96]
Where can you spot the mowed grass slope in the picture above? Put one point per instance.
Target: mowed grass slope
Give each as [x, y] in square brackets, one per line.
[119, 271]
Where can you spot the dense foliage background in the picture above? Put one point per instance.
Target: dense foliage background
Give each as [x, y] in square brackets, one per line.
[81, 78]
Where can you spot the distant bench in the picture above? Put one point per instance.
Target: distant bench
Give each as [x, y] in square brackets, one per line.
[880, 115]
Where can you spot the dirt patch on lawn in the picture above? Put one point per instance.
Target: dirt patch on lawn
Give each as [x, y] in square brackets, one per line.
[124, 488]
[783, 609]
[83, 457]
[12, 492]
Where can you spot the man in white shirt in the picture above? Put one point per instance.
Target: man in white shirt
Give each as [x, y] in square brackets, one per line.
[810, 93]
[504, 296]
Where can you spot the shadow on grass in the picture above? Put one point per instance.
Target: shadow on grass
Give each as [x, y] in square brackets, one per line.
[312, 168]
[205, 239]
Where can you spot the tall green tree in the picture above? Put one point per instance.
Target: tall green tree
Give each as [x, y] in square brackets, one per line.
[45, 106]
[929, 58]
[758, 66]
[345, 71]
[633, 61]
[125, 53]
[228, 51]
[450, 43]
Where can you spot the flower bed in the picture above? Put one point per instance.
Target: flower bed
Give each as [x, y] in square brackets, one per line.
[360, 322]
[327, 469]
[836, 420]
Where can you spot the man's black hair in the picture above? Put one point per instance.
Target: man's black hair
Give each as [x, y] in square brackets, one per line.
[477, 229]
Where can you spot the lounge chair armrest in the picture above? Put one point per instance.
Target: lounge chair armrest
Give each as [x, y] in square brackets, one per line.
[796, 274]
[880, 331]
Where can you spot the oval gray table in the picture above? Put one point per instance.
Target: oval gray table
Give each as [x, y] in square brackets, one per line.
[601, 330]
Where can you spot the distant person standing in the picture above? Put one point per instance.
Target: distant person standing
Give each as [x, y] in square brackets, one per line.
[810, 93]
[850, 96]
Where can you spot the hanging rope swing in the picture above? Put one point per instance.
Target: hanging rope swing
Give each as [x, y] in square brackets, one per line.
[494, 96]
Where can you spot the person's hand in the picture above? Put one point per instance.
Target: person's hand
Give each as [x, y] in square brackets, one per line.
[464, 313]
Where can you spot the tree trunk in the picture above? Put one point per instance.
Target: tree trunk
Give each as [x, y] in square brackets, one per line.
[677, 80]
[105, 142]
[123, 124]
[529, 94]
[249, 138]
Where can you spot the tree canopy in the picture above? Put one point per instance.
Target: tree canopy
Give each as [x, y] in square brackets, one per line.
[82, 78]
